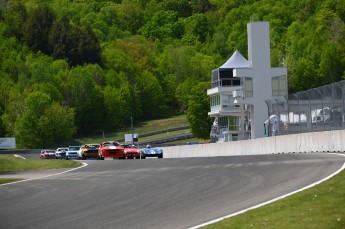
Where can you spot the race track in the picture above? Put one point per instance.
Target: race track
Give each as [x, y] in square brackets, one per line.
[158, 193]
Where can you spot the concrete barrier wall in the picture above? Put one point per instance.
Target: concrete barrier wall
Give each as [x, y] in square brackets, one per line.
[327, 141]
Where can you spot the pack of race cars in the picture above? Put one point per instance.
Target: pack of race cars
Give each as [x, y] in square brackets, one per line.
[105, 150]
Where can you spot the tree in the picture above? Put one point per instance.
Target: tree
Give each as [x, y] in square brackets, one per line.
[15, 16]
[197, 113]
[181, 6]
[84, 47]
[25, 130]
[116, 58]
[150, 94]
[37, 27]
[59, 38]
[197, 26]
[40, 68]
[130, 16]
[202, 66]
[43, 124]
[169, 85]
[13, 109]
[49, 89]
[117, 103]
[200, 6]
[6, 86]
[183, 91]
[177, 60]
[82, 93]
[163, 24]
[78, 44]
[56, 125]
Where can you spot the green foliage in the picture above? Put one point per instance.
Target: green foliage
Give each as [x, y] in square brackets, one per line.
[49, 89]
[26, 126]
[197, 26]
[36, 28]
[110, 60]
[56, 125]
[183, 91]
[151, 93]
[130, 16]
[14, 108]
[169, 85]
[119, 105]
[83, 94]
[198, 109]
[14, 17]
[41, 123]
[163, 24]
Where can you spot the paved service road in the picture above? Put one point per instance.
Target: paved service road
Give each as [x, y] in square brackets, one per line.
[158, 193]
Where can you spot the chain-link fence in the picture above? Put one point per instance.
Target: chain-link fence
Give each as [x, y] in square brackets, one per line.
[318, 109]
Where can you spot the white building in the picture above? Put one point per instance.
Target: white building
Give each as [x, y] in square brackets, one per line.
[240, 88]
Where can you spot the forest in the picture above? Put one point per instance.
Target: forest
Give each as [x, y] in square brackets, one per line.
[79, 67]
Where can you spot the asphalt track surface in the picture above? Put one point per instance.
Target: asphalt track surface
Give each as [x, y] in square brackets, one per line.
[158, 193]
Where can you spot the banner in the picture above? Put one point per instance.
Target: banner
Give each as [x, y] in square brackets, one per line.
[128, 138]
[7, 143]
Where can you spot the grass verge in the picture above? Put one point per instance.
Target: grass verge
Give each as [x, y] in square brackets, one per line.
[140, 128]
[9, 163]
[9, 180]
[322, 207]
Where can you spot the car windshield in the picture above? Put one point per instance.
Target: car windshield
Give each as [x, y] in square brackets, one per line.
[74, 148]
[111, 144]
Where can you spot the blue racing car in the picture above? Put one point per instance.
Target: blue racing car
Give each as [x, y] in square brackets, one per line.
[151, 152]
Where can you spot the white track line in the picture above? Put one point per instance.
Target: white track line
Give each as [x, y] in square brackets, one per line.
[270, 201]
[16, 155]
[84, 164]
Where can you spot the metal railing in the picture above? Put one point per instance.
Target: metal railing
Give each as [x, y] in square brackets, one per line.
[317, 109]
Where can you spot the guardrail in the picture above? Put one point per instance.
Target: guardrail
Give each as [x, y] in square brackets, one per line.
[166, 139]
[157, 132]
[19, 151]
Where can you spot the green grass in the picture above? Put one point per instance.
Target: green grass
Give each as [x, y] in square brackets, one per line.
[170, 133]
[321, 207]
[10, 163]
[140, 128]
[9, 180]
[147, 127]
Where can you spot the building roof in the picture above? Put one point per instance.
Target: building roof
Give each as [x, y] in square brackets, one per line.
[235, 61]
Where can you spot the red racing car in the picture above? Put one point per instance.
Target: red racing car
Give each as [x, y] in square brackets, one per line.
[110, 150]
[131, 151]
[47, 154]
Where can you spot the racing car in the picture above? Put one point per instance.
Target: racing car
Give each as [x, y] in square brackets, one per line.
[151, 152]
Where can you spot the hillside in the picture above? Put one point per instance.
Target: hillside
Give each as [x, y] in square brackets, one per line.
[77, 68]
